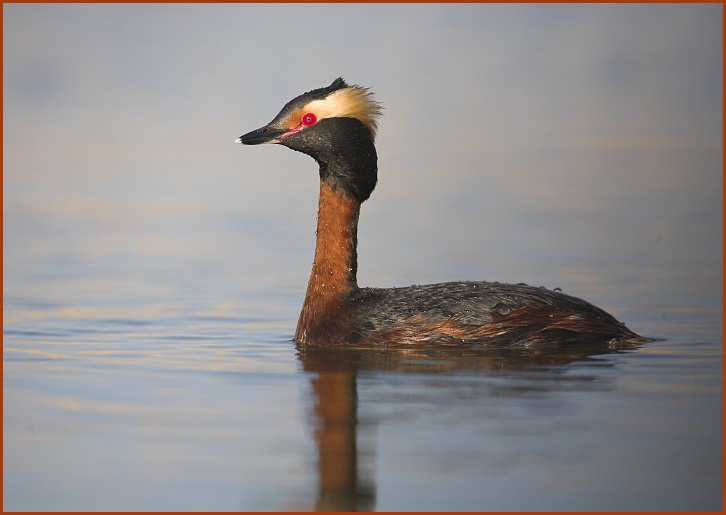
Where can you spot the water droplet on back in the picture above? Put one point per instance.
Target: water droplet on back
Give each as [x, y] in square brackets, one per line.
[502, 309]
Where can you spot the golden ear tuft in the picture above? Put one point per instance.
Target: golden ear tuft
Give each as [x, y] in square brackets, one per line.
[351, 102]
[359, 103]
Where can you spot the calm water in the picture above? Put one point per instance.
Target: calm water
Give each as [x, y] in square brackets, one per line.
[138, 376]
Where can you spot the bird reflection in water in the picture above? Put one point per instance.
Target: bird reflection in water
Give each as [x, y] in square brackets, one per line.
[341, 488]
[345, 485]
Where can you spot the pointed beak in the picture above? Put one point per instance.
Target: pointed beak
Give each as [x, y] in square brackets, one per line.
[266, 134]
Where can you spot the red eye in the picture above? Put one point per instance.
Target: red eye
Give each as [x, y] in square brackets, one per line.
[309, 119]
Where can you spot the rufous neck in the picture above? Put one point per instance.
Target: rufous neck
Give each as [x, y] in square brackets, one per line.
[335, 265]
[325, 312]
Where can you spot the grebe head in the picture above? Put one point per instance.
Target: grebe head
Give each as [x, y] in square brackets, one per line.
[335, 125]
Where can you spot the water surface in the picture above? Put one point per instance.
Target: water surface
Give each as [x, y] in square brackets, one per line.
[145, 387]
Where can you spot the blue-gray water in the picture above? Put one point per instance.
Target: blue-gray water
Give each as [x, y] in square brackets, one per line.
[152, 388]
[153, 270]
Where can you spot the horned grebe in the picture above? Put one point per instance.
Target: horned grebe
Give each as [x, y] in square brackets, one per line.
[336, 126]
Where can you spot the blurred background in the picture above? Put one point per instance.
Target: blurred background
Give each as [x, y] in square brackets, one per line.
[518, 143]
[571, 146]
